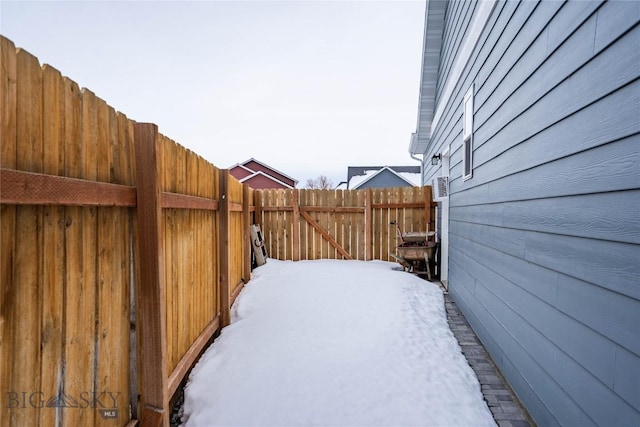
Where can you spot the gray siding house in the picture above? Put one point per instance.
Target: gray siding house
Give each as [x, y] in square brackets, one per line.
[533, 108]
[361, 177]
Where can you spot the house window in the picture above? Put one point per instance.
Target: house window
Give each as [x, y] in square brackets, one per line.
[467, 135]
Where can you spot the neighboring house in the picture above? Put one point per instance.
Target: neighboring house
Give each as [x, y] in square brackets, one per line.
[534, 110]
[260, 175]
[360, 177]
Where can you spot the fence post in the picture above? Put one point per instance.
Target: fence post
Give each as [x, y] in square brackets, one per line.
[368, 225]
[296, 224]
[224, 248]
[151, 298]
[246, 225]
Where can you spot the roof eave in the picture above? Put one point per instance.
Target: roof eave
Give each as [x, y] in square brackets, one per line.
[274, 179]
[432, 45]
[253, 159]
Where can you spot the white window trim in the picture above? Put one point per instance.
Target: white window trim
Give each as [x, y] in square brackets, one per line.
[467, 134]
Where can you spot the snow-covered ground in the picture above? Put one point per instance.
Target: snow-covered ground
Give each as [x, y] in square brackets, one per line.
[335, 343]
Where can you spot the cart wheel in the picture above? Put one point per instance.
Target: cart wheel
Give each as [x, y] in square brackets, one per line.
[428, 267]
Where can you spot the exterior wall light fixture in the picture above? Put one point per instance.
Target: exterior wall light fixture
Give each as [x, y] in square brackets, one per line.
[436, 159]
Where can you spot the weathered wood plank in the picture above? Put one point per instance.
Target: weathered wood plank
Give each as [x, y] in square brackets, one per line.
[194, 168]
[169, 219]
[8, 97]
[214, 289]
[53, 245]
[246, 224]
[323, 222]
[333, 222]
[91, 158]
[106, 248]
[296, 225]
[114, 370]
[185, 269]
[25, 297]
[123, 158]
[79, 298]
[8, 148]
[358, 223]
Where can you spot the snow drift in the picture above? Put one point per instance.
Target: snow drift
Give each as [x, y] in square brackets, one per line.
[335, 343]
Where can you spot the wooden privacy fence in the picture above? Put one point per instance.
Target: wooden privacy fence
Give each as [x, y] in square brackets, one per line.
[121, 253]
[336, 224]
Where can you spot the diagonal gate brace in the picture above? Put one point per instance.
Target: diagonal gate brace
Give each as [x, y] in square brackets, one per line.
[326, 235]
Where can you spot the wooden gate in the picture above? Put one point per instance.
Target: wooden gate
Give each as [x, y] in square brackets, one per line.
[340, 224]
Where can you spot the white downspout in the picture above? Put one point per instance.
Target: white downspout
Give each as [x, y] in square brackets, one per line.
[412, 144]
[418, 159]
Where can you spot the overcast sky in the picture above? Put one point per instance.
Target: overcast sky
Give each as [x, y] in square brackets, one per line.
[309, 87]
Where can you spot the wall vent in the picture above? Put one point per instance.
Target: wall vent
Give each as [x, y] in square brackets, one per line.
[440, 187]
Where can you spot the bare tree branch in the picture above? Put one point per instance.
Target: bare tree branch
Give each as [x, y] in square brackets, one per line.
[321, 182]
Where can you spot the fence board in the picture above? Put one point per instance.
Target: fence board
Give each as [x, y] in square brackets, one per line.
[333, 222]
[273, 226]
[295, 218]
[193, 322]
[126, 152]
[213, 236]
[236, 246]
[24, 326]
[365, 246]
[8, 98]
[184, 234]
[53, 245]
[287, 225]
[7, 213]
[91, 132]
[112, 297]
[77, 297]
[319, 217]
[105, 232]
[311, 233]
[280, 223]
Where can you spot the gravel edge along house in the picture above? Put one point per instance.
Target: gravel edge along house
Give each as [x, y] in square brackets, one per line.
[529, 121]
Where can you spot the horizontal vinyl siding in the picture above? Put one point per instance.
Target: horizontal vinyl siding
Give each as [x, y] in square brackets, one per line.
[545, 238]
[449, 127]
[457, 19]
